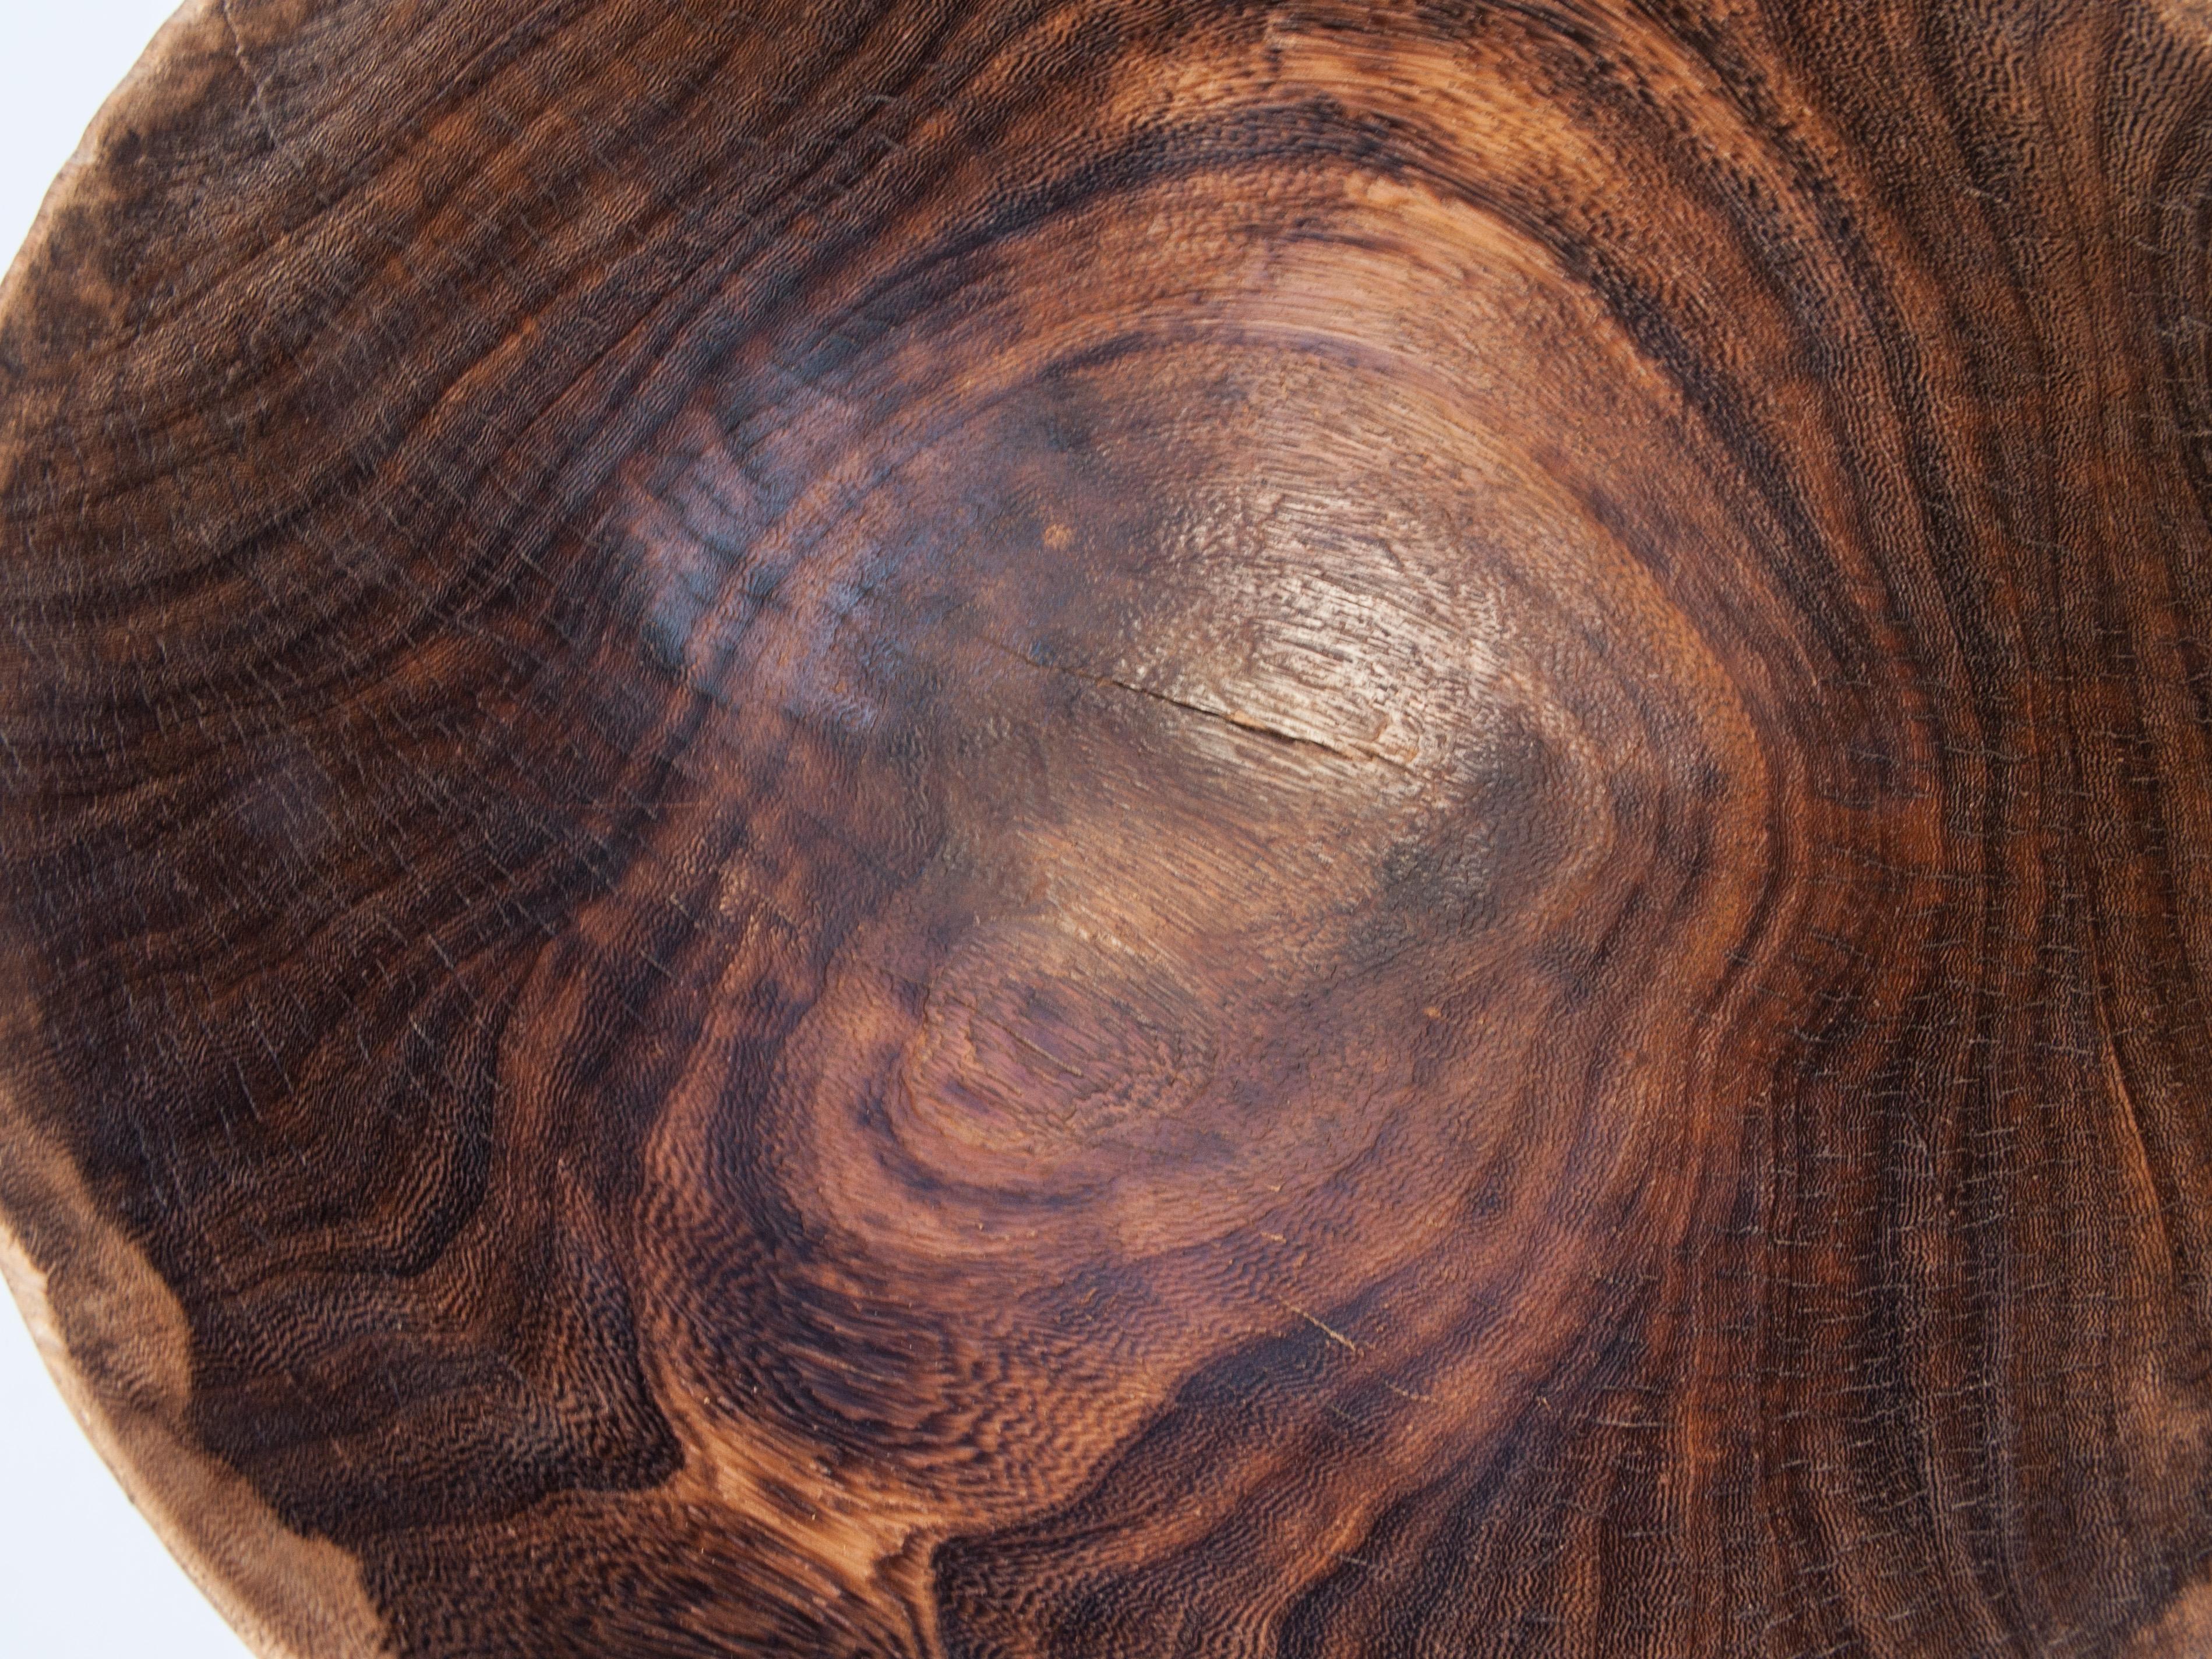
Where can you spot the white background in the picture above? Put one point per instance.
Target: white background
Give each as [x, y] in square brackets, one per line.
[81, 1575]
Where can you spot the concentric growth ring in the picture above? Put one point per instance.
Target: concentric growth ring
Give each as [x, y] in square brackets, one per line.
[1137, 829]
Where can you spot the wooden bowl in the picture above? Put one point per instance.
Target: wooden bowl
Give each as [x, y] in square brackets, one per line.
[1152, 829]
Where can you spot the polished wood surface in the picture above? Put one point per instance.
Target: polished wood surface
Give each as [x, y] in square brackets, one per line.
[1146, 828]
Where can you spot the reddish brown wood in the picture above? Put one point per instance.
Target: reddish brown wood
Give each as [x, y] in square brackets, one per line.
[1146, 828]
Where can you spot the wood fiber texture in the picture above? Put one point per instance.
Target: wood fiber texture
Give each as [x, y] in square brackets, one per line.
[1151, 829]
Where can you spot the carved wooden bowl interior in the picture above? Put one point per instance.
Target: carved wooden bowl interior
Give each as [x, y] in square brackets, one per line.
[1155, 829]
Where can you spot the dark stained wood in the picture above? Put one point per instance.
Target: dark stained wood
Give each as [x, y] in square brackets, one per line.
[1147, 828]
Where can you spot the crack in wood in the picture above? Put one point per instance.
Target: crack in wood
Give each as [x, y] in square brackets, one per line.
[1241, 721]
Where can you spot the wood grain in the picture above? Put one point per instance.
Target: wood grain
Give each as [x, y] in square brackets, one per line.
[1140, 828]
